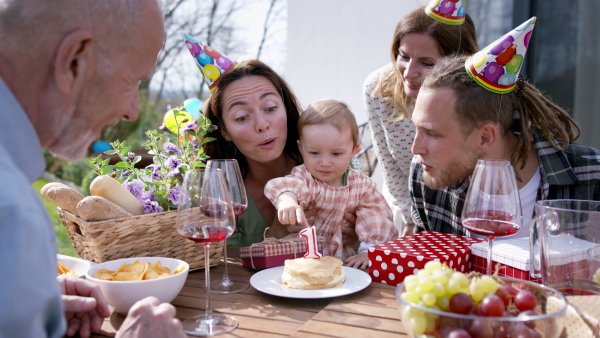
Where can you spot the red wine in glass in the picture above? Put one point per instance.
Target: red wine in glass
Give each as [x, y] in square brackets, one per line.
[214, 210]
[491, 223]
[239, 209]
[206, 233]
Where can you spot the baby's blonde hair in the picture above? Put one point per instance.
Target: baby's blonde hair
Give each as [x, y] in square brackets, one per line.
[333, 112]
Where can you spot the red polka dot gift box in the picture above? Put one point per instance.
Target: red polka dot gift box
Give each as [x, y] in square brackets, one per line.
[391, 261]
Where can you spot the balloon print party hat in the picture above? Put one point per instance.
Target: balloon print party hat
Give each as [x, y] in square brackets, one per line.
[497, 66]
[211, 63]
[451, 12]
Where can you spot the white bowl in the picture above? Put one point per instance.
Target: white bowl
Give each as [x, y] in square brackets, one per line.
[122, 295]
[77, 265]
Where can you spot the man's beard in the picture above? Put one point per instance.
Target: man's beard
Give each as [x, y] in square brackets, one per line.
[455, 171]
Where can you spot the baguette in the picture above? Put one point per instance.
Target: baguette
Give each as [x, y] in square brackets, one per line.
[96, 208]
[62, 195]
[109, 188]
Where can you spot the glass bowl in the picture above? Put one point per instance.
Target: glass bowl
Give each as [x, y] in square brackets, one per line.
[550, 321]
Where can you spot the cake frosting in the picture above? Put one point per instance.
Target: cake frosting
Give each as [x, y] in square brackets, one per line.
[313, 274]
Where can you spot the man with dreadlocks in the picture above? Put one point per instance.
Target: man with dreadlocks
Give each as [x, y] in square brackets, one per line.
[479, 108]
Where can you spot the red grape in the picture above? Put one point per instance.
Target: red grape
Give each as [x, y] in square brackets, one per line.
[506, 293]
[530, 323]
[461, 303]
[481, 328]
[458, 333]
[523, 331]
[492, 306]
[525, 300]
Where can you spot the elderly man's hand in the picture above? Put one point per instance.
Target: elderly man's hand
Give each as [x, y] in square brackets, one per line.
[151, 318]
[85, 307]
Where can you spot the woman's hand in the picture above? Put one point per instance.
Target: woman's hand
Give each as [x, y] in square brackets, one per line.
[360, 261]
[85, 307]
[349, 236]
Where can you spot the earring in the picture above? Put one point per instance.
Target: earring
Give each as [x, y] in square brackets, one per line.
[232, 145]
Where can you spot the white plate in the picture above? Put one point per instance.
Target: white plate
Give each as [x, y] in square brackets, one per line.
[77, 265]
[269, 281]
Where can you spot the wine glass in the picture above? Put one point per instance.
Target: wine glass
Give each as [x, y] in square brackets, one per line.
[205, 216]
[492, 206]
[239, 200]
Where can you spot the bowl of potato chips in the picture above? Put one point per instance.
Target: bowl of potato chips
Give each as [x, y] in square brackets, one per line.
[125, 281]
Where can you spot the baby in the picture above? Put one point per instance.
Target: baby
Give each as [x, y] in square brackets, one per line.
[328, 140]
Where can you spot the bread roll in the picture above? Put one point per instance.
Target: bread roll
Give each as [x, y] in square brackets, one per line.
[109, 188]
[96, 208]
[62, 195]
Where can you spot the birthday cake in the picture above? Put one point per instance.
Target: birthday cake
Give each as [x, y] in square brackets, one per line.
[313, 274]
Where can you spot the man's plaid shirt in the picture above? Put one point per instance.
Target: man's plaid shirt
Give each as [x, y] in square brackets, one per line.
[570, 174]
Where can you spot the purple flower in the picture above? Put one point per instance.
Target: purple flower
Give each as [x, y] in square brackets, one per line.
[188, 126]
[151, 207]
[136, 187]
[173, 162]
[173, 173]
[130, 155]
[170, 147]
[149, 194]
[156, 174]
[174, 195]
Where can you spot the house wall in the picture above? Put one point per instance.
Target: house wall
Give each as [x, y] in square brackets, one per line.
[333, 45]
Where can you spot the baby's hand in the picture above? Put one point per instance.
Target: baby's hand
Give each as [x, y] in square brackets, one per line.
[290, 214]
[360, 261]
[289, 211]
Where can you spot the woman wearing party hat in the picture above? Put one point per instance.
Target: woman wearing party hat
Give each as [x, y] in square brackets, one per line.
[421, 38]
[479, 108]
[256, 112]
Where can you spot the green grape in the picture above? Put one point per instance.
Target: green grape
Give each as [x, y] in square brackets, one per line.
[443, 303]
[427, 284]
[411, 278]
[453, 288]
[439, 289]
[462, 279]
[489, 284]
[432, 266]
[423, 274]
[418, 324]
[410, 297]
[411, 285]
[439, 276]
[476, 290]
[428, 299]
[596, 277]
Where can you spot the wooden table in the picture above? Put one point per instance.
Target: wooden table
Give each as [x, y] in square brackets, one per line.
[372, 312]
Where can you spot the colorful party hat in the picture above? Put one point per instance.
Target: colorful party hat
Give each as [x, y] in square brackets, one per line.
[211, 63]
[451, 12]
[497, 66]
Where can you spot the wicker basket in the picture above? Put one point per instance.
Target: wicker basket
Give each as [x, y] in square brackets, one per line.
[145, 235]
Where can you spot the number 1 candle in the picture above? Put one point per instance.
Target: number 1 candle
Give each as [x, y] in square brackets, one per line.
[312, 251]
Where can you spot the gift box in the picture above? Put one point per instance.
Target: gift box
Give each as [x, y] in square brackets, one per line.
[392, 261]
[567, 257]
[510, 256]
[273, 252]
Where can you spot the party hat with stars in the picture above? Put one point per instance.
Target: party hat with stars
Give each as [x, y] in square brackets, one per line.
[497, 66]
[451, 12]
[211, 63]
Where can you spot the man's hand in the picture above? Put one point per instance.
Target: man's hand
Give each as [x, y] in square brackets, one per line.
[360, 261]
[85, 307]
[149, 318]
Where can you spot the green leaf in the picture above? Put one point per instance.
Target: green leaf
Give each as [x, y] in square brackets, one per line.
[121, 165]
[125, 151]
[110, 152]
